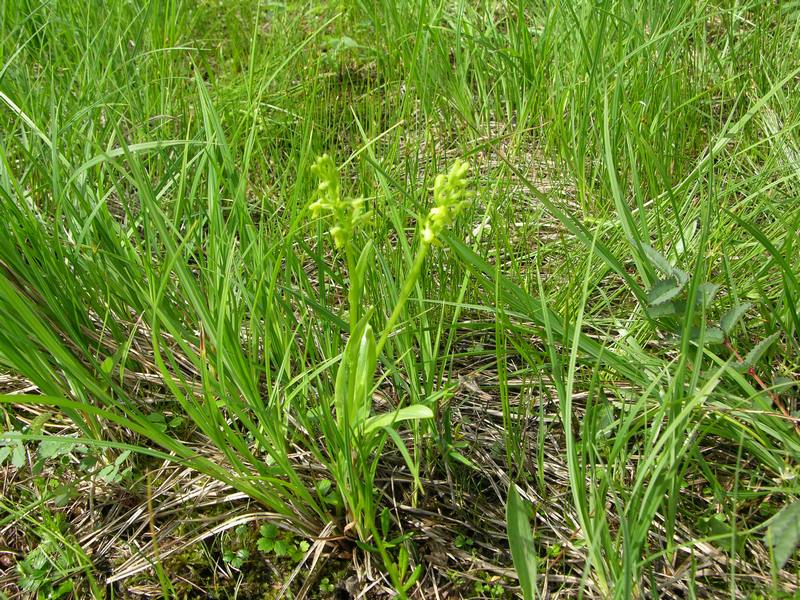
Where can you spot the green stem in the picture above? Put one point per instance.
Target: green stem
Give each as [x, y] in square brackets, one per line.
[408, 286]
[354, 287]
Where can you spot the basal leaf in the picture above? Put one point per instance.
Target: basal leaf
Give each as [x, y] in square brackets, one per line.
[784, 533]
[704, 294]
[666, 309]
[681, 276]
[712, 335]
[758, 351]
[732, 317]
[658, 260]
[409, 413]
[520, 540]
[663, 291]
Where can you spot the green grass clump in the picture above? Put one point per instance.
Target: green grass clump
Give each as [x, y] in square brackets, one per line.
[207, 330]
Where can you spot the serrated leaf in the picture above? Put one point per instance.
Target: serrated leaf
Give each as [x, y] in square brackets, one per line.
[712, 335]
[663, 291]
[781, 383]
[265, 545]
[758, 351]
[63, 494]
[520, 540]
[681, 276]
[732, 317]
[784, 533]
[705, 293]
[268, 531]
[666, 309]
[658, 260]
[18, 455]
[280, 548]
[52, 447]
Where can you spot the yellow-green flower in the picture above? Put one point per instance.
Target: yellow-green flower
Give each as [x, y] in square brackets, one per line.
[347, 213]
[450, 195]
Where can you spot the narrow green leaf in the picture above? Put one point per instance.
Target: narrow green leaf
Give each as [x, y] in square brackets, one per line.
[522, 301]
[412, 467]
[520, 540]
[409, 413]
[340, 391]
[784, 533]
[364, 376]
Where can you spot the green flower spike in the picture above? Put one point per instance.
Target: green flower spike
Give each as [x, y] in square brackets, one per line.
[347, 213]
[450, 195]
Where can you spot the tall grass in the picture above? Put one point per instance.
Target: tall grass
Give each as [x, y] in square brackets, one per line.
[159, 257]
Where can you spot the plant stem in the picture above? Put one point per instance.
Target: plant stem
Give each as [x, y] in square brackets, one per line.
[405, 292]
[773, 396]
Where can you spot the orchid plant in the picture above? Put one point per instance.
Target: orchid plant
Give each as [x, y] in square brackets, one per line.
[355, 435]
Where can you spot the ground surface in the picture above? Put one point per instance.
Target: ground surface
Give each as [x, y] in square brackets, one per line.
[173, 315]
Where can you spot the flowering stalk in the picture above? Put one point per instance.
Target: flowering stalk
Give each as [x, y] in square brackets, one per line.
[355, 433]
[347, 214]
[450, 195]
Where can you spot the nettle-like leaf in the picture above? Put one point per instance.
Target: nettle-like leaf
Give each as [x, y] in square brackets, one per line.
[730, 319]
[658, 260]
[667, 309]
[705, 293]
[712, 335]
[269, 531]
[783, 534]
[54, 447]
[757, 352]
[265, 544]
[12, 446]
[663, 291]
[681, 276]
